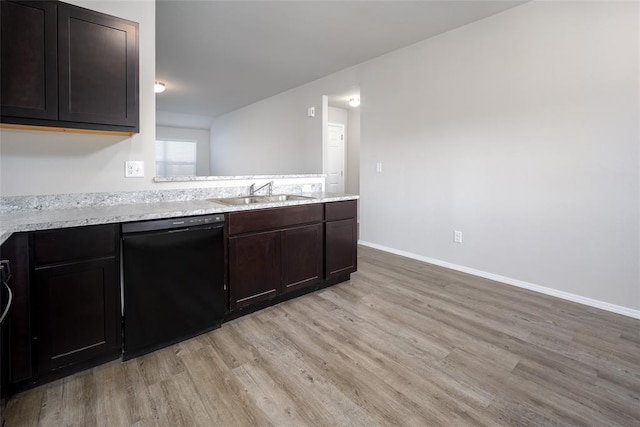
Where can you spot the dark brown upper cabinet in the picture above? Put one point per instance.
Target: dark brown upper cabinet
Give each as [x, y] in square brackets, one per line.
[68, 67]
[28, 65]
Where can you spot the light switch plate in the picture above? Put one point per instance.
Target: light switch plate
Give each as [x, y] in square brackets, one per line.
[134, 169]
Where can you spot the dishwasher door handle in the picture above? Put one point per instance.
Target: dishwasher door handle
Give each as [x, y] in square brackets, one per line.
[198, 228]
[179, 230]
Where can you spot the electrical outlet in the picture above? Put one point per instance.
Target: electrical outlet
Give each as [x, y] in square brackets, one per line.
[134, 169]
[379, 167]
[306, 188]
[457, 236]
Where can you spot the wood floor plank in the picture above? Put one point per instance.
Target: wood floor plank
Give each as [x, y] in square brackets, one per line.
[321, 401]
[25, 408]
[221, 392]
[52, 410]
[402, 343]
[112, 406]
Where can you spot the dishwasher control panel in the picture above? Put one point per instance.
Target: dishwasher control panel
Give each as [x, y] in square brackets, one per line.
[197, 220]
[172, 223]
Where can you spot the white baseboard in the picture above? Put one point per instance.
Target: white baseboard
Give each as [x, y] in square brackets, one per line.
[625, 311]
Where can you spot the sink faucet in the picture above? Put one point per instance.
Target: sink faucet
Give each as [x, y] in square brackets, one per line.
[253, 190]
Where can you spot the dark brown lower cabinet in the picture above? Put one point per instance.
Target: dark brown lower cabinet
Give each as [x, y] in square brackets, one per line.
[17, 330]
[265, 265]
[75, 290]
[341, 239]
[301, 257]
[341, 248]
[254, 268]
[77, 313]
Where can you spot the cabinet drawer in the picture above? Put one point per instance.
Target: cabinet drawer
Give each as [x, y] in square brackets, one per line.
[268, 219]
[69, 244]
[341, 210]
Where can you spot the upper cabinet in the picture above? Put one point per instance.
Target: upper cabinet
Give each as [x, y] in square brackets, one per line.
[29, 55]
[68, 67]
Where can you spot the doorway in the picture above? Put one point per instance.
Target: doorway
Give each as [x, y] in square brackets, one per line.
[341, 142]
[336, 154]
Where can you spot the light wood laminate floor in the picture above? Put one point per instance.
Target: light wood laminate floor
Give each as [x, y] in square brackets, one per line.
[403, 343]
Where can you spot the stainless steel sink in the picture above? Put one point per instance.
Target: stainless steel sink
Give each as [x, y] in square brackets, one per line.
[250, 200]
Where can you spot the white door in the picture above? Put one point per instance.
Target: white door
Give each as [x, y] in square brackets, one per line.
[335, 174]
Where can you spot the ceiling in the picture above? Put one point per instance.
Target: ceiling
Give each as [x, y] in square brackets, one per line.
[218, 56]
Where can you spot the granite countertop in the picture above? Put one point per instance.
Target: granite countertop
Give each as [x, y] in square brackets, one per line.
[44, 219]
[229, 178]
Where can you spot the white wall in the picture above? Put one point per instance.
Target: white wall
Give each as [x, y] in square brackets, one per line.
[266, 147]
[520, 130]
[202, 138]
[52, 163]
[338, 115]
[274, 136]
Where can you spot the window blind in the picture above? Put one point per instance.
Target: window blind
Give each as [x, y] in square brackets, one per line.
[175, 158]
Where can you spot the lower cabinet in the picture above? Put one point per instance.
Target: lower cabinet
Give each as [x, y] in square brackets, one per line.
[341, 247]
[273, 252]
[341, 239]
[16, 328]
[301, 257]
[75, 297]
[254, 268]
[77, 308]
[264, 265]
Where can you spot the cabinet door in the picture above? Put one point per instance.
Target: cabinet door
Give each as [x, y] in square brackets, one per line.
[301, 257]
[98, 65]
[341, 248]
[78, 307]
[16, 250]
[28, 55]
[254, 268]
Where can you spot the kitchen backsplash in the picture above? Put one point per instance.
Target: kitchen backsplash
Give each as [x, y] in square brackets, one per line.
[79, 200]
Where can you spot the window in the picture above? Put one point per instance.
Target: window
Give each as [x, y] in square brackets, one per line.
[175, 158]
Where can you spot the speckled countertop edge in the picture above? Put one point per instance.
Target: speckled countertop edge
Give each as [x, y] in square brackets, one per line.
[231, 178]
[32, 220]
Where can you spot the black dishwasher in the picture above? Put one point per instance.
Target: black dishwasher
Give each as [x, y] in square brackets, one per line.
[173, 281]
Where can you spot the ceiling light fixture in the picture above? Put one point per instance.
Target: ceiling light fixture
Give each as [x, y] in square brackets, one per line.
[354, 102]
[159, 87]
